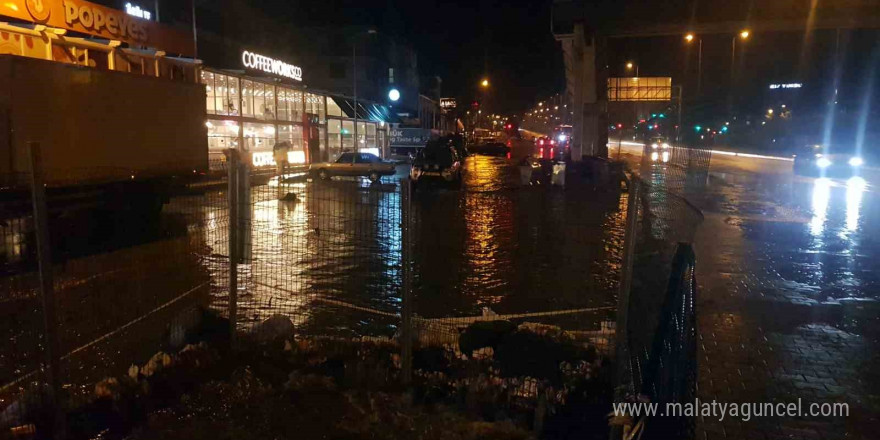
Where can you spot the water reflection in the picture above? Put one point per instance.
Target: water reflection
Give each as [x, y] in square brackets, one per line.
[821, 197]
[855, 188]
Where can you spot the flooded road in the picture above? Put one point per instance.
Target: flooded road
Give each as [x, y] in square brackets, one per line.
[329, 254]
[789, 300]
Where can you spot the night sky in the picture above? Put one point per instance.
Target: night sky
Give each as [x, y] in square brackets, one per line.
[510, 42]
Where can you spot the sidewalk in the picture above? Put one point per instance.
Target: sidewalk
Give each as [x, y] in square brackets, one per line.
[772, 323]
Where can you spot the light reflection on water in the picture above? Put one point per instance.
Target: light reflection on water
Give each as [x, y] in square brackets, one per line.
[493, 243]
[821, 196]
[855, 188]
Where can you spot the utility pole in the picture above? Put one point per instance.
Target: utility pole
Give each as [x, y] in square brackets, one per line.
[355, 79]
[195, 33]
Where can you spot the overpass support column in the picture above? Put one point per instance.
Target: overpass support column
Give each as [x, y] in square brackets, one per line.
[586, 81]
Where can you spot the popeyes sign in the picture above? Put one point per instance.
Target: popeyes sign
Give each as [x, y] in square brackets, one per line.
[89, 18]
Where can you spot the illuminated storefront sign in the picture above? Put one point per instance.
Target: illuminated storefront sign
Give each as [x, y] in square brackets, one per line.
[786, 86]
[136, 10]
[447, 103]
[93, 19]
[96, 20]
[270, 65]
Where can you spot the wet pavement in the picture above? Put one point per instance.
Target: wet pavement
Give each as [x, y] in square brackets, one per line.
[788, 301]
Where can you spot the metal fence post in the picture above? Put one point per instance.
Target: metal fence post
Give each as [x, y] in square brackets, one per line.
[47, 288]
[405, 261]
[233, 242]
[622, 351]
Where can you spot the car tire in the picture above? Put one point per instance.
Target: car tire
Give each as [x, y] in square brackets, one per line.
[323, 175]
[374, 176]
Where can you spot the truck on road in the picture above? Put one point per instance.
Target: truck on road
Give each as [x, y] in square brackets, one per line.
[111, 139]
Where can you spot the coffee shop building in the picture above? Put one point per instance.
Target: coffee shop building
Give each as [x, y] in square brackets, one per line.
[252, 106]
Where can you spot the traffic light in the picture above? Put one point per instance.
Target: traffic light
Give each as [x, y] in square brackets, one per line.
[697, 128]
[475, 104]
[619, 125]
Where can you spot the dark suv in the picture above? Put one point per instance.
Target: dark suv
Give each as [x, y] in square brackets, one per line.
[438, 161]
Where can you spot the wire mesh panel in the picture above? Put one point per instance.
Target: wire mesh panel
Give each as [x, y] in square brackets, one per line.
[23, 384]
[660, 335]
[321, 262]
[513, 291]
[132, 278]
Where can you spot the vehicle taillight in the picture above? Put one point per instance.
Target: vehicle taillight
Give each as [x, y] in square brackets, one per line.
[541, 142]
[508, 156]
[541, 152]
[552, 142]
[551, 153]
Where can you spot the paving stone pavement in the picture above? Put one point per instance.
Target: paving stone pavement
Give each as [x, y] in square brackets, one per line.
[789, 278]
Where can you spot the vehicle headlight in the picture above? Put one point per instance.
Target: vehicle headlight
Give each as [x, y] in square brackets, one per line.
[655, 146]
[654, 156]
[665, 156]
[823, 162]
[665, 146]
[856, 162]
[561, 138]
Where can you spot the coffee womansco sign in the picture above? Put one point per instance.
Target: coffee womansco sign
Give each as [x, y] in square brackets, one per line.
[89, 18]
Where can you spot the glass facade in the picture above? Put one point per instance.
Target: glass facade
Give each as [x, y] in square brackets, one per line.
[252, 115]
[294, 135]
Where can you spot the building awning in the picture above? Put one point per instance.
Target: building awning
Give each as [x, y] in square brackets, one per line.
[365, 110]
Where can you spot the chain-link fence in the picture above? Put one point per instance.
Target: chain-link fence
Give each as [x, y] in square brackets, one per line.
[501, 302]
[96, 284]
[657, 345]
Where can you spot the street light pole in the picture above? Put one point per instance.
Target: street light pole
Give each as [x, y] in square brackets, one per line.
[700, 67]
[355, 79]
[357, 146]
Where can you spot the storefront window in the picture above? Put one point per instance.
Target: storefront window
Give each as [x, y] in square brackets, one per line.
[208, 81]
[334, 141]
[381, 142]
[259, 101]
[297, 106]
[269, 102]
[294, 135]
[247, 98]
[315, 106]
[232, 96]
[362, 135]
[221, 136]
[322, 143]
[347, 136]
[285, 101]
[220, 94]
[259, 140]
[333, 109]
[371, 135]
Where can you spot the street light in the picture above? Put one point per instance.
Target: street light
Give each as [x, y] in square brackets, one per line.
[690, 38]
[630, 66]
[484, 83]
[743, 35]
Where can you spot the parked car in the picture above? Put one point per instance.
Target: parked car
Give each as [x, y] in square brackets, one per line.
[492, 149]
[438, 161]
[353, 164]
